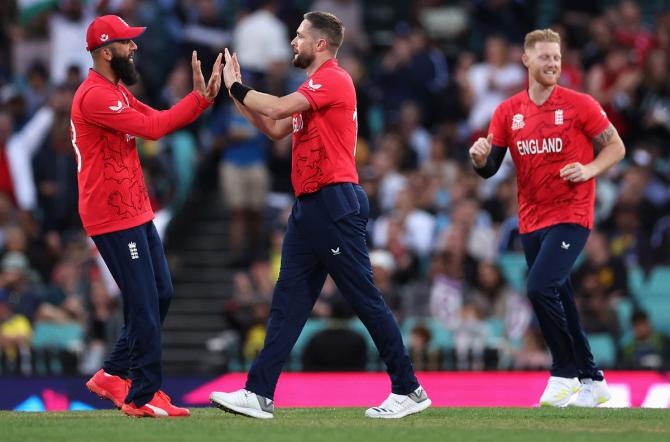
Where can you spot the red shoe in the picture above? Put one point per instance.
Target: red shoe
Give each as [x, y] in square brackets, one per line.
[109, 387]
[159, 406]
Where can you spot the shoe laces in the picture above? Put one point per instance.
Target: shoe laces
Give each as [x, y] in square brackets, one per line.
[393, 402]
[163, 395]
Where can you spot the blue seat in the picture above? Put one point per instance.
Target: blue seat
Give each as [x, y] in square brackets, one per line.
[441, 337]
[658, 310]
[496, 328]
[636, 281]
[624, 311]
[658, 284]
[49, 335]
[603, 349]
[513, 268]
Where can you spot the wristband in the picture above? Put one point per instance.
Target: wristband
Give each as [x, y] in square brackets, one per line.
[239, 91]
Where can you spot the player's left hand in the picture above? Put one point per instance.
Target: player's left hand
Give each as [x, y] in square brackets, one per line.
[214, 83]
[577, 172]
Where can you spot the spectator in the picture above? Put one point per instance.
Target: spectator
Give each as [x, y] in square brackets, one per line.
[610, 271]
[37, 90]
[261, 40]
[351, 13]
[244, 181]
[15, 337]
[67, 25]
[416, 226]
[424, 357]
[595, 308]
[16, 280]
[533, 354]
[383, 267]
[492, 81]
[497, 301]
[649, 349]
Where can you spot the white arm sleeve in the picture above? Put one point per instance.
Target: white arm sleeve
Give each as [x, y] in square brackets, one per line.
[21, 148]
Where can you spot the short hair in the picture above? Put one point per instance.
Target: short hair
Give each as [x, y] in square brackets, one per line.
[329, 26]
[540, 35]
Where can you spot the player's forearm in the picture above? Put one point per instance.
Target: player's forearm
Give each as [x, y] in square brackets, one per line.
[265, 104]
[493, 162]
[610, 154]
[265, 124]
[158, 124]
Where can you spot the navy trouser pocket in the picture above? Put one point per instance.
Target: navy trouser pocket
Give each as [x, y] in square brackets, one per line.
[340, 201]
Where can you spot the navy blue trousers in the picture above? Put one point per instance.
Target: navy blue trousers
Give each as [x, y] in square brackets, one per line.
[136, 259]
[550, 253]
[327, 235]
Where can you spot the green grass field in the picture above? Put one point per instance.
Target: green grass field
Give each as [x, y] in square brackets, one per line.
[345, 424]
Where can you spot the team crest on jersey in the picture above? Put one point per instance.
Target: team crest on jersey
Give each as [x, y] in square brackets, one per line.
[297, 123]
[517, 122]
[558, 116]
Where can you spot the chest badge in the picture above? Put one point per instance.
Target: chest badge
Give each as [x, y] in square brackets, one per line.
[558, 116]
[517, 122]
[297, 123]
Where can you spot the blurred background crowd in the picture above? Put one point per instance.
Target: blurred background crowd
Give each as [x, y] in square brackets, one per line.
[444, 243]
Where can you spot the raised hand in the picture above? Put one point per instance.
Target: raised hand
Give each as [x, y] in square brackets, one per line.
[214, 83]
[211, 90]
[231, 70]
[236, 66]
[480, 151]
[198, 79]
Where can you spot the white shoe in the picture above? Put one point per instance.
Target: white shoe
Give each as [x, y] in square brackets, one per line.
[243, 402]
[400, 405]
[592, 394]
[559, 391]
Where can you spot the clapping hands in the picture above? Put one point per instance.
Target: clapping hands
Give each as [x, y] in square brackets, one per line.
[231, 70]
[211, 90]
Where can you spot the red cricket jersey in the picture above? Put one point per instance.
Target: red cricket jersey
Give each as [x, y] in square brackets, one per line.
[542, 140]
[324, 137]
[105, 119]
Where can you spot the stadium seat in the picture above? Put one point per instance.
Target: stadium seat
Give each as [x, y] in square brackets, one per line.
[496, 328]
[57, 347]
[441, 337]
[604, 349]
[624, 311]
[658, 310]
[636, 281]
[658, 283]
[513, 268]
[68, 336]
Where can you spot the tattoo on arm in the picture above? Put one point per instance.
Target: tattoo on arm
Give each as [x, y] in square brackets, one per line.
[605, 137]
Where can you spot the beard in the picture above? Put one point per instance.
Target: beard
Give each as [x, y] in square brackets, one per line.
[545, 81]
[124, 69]
[302, 61]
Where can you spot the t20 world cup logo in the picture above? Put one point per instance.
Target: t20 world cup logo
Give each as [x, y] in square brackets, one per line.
[297, 123]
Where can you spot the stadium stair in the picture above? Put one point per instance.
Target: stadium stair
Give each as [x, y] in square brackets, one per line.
[196, 246]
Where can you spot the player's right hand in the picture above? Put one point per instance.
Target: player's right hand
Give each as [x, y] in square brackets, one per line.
[480, 151]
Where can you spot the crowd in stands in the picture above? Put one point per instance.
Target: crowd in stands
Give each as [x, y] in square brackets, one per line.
[444, 243]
